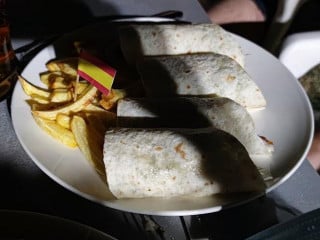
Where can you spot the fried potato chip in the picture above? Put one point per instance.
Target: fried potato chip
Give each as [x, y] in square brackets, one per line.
[66, 65]
[80, 121]
[63, 120]
[30, 89]
[85, 99]
[59, 133]
[81, 86]
[57, 79]
[90, 143]
[40, 99]
[46, 77]
[109, 101]
[93, 108]
[34, 105]
[61, 95]
[60, 82]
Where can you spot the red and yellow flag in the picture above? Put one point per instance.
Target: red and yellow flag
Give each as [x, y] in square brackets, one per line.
[98, 73]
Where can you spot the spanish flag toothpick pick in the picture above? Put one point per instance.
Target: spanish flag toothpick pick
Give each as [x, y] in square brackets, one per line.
[95, 71]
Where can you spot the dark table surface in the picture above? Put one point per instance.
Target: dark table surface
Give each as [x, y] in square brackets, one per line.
[25, 187]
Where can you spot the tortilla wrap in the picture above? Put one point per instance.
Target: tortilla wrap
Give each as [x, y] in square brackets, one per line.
[139, 40]
[183, 112]
[165, 163]
[200, 74]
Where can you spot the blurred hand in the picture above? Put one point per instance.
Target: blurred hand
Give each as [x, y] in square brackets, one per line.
[233, 11]
[314, 153]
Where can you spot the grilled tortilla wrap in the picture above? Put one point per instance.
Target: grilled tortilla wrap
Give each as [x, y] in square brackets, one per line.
[170, 39]
[166, 163]
[200, 74]
[186, 112]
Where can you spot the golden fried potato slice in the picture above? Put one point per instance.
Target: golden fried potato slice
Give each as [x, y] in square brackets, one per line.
[34, 105]
[109, 101]
[59, 133]
[61, 82]
[84, 100]
[67, 65]
[64, 120]
[90, 143]
[60, 95]
[48, 76]
[57, 79]
[31, 89]
[81, 86]
[39, 99]
[93, 108]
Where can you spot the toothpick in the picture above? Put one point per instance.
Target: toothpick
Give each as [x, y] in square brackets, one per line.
[76, 88]
[78, 48]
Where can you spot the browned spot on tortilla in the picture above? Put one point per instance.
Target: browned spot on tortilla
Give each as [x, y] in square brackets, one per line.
[230, 78]
[188, 86]
[266, 140]
[154, 34]
[178, 149]
[174, 178]
[158, 148]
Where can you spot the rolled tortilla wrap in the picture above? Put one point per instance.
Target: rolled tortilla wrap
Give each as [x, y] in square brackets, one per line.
[200, 74]
[165, 163]
[170, 39]
[183, 112]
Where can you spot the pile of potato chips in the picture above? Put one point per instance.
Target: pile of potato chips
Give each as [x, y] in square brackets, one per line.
[71, 111]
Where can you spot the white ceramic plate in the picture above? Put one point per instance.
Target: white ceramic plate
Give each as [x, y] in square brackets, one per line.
[287, 121]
